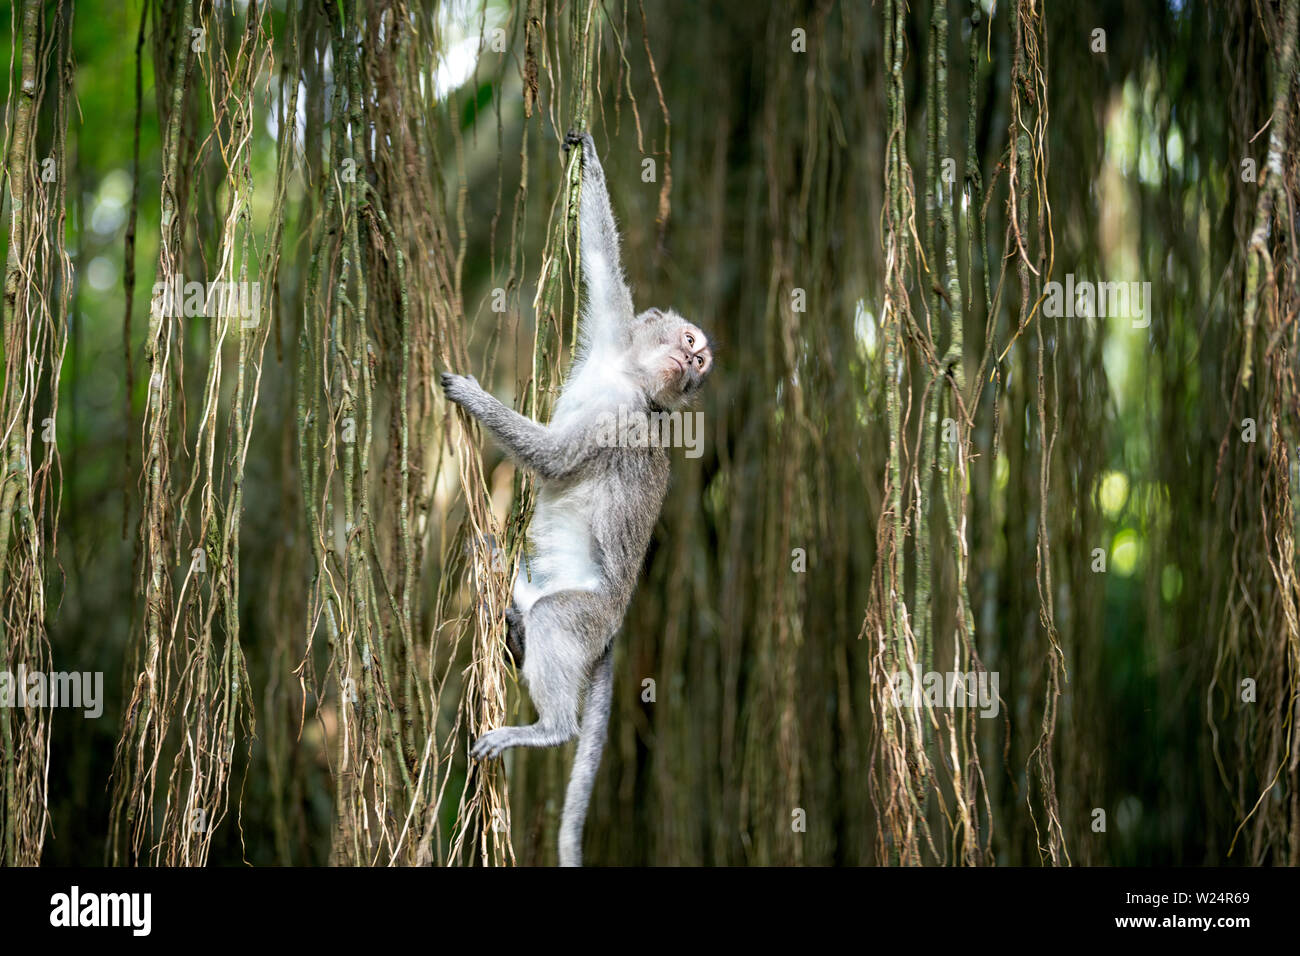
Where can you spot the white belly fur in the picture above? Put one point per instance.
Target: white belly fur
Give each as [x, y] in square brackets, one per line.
[562, 551]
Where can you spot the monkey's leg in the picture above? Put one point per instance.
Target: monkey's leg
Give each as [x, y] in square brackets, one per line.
[567, 632]
[515, 635]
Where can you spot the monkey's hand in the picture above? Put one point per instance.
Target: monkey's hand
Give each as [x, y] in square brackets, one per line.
[573, 138]
[590, 161]
[464, 390]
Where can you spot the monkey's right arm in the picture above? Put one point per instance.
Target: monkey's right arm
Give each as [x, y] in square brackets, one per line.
[609, 301]
[539, 448]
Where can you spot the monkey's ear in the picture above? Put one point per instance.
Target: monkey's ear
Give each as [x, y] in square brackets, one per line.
[650, 314]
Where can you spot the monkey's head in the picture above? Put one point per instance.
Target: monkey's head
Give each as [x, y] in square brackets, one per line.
[672, 355]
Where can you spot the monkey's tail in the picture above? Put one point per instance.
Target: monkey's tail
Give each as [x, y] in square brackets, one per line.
[586, 761]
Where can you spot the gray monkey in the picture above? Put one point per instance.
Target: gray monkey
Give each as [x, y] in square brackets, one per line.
[601, 486]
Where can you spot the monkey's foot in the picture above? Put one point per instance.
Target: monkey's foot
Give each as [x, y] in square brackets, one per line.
[515, 635]
[493, 743]
[496, 742]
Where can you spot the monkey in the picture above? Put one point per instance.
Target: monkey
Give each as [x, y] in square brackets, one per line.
[600, 491]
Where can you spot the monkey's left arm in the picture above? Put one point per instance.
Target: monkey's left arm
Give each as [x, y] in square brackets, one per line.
[539, 448]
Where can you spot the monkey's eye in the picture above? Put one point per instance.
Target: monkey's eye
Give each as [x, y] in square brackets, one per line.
[690, 340]
[699, 360]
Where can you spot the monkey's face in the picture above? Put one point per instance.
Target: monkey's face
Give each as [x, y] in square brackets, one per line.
[675, 356]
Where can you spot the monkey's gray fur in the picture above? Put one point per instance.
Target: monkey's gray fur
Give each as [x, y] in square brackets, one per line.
[597, 501]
